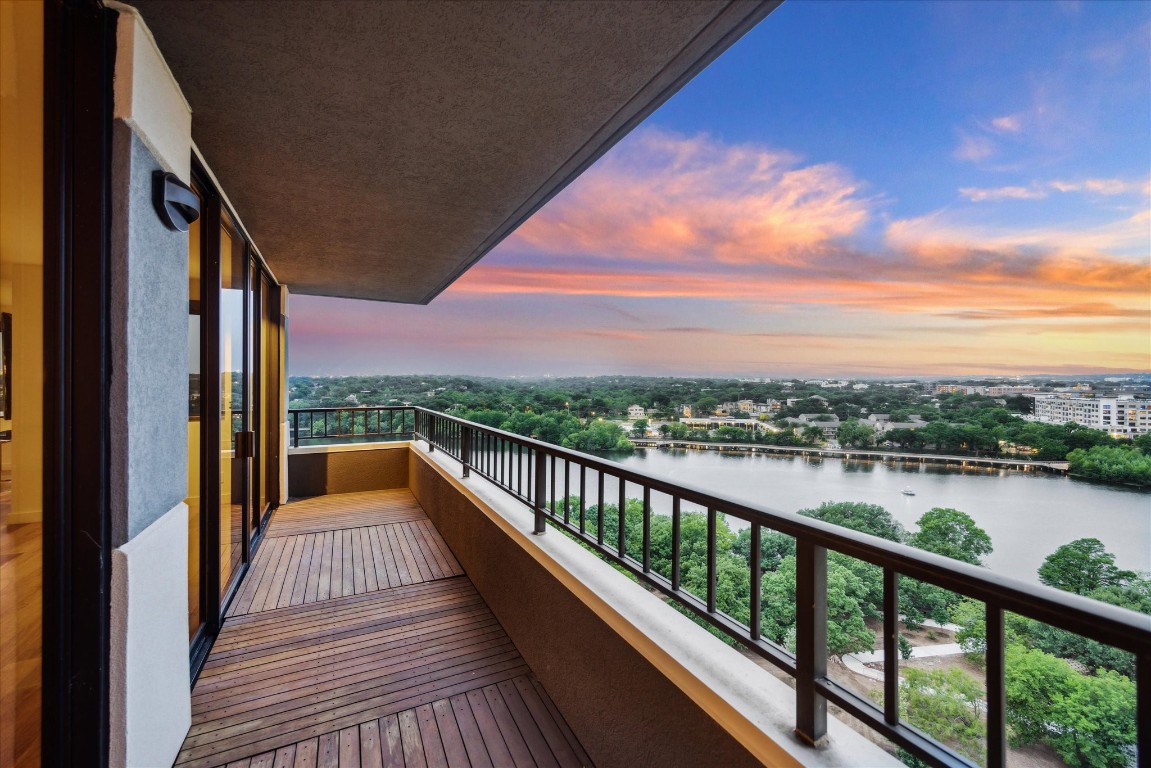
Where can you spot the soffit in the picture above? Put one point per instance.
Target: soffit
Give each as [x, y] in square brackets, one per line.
[376, 150]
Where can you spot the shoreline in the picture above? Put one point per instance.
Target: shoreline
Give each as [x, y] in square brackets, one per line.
[1023, 465]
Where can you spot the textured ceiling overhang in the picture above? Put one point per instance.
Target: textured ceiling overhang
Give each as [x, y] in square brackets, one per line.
[377, 150]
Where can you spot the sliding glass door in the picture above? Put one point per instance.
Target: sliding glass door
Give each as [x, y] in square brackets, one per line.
[234, 370]
[234, 342]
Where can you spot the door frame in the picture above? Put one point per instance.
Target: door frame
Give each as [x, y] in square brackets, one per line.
[79, 60]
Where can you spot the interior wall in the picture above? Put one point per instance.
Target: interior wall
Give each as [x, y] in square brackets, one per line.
[21, 243]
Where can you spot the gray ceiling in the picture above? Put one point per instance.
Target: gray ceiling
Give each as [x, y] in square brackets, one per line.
[376, 150]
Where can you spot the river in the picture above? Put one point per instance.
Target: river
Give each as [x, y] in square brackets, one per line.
[1028, 515]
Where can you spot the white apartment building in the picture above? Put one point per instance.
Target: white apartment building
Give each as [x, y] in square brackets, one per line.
[1121, 416]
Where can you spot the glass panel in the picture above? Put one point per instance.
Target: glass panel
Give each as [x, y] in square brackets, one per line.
[233, 467]
[270, 394]
[195, 605]
[22, 376]
[253, 405]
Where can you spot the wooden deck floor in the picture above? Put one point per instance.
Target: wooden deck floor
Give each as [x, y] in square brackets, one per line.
[366, 646]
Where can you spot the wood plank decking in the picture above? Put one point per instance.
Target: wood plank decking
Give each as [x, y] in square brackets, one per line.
[367, 646]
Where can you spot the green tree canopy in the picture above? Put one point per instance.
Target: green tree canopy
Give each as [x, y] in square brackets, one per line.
[1082, 566]
[846, 593]
[953, 534]
[858, 516]
[1088, 719]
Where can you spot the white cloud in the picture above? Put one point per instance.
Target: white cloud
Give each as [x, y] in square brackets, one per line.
[1008, 123]
[974, 148]
[977, 195]
[1109, 187]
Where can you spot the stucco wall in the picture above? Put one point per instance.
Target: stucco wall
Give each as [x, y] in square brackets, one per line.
[318, 470]
[149, 346]
[150, 698]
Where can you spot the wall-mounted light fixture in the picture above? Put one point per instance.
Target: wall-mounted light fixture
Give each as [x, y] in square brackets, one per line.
[176, 204]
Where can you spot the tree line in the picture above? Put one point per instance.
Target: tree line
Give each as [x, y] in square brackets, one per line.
[577, 413]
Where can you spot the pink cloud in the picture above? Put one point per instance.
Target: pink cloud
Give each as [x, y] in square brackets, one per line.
[673, 198]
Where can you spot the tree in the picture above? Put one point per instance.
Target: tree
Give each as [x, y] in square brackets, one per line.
[598, 436]
[1135, 595]
[953, 534]
[639, 428]
[947, 704]
[1088, 720]
[856, 434]
[1034, 682]
[1095, 721]
[1112, 464]
[773, 547]
[1081, 567]
[846, 631]
[950, 533]
[812, 434]
[971, 616]
[858, 516]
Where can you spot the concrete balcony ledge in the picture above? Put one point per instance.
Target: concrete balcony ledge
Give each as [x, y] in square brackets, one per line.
[319, 470]
[639, 683]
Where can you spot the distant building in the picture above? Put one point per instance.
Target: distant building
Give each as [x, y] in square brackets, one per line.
[1011, 390]
[955, 389]
[1120, 416]
[829, 423]
[715, 422]
[635, 412]
[882, 422]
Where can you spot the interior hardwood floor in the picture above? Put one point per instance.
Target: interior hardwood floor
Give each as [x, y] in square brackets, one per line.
[362, 643]
[21, 571]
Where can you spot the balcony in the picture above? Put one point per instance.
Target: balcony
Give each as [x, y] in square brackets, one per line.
[357, 639]
[405, 614]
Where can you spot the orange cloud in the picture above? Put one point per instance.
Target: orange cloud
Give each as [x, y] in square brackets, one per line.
[671, 198]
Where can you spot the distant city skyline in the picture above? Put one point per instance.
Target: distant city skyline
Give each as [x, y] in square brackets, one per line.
[863, 189]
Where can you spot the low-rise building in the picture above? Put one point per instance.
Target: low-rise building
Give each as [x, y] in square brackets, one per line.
[1119, 416]
[715, 422]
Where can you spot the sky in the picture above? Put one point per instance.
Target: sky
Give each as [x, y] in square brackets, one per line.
[857, 189]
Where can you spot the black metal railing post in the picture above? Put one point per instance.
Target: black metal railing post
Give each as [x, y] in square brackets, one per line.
[540, 492]
[754, 565]
[996, 687]
[466, 451]
[890, 646]
[810, 641]
[1143, 709]
[295, 442]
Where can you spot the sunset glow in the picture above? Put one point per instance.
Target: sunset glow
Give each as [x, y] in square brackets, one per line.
[960, 189]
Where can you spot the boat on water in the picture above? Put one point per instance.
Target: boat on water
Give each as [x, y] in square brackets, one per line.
[907, 491]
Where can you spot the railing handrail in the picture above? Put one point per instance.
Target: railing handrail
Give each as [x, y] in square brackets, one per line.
[1117, 626]
[1112, 625]
[1122, 627]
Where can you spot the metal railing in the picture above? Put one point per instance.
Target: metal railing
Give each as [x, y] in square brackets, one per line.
[327, 426]
[558, 484]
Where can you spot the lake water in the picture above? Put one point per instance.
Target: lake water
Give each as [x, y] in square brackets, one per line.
[1028, 515]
